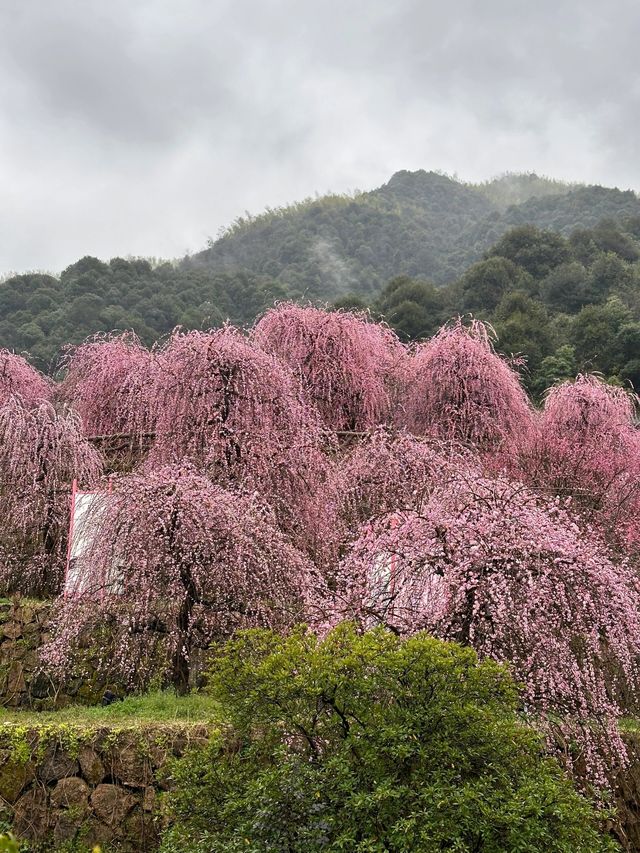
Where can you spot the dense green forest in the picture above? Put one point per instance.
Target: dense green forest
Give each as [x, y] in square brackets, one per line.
[562, 305]
[554, 267]
[40, 314]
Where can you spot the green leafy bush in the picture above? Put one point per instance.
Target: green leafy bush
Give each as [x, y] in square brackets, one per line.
[371, 743]
[8, 843]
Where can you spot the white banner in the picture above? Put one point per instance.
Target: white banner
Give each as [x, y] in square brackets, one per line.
[86, 509]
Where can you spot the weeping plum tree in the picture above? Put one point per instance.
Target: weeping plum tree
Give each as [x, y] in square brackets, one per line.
[235, 412]
[41, 452]
[17, 377]
[174, 562]
[491, 565]
[588, 448]
[106, 381]
[387, 471]
[346, 364]
[458, 389]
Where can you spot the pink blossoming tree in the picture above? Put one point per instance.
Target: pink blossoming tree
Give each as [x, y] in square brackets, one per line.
[458, 389]
[491, 565]
[17, 377]
[174, 563]
[346, 364]
[237, 414]
[588, 448]
[41, 452]
[387, 471]
[106, 381]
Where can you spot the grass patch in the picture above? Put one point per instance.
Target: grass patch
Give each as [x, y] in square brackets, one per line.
[629, 724]
[163, 706]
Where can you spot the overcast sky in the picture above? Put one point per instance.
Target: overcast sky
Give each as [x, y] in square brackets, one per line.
[141, 127]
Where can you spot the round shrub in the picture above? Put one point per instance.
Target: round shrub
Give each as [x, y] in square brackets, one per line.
[368, 742]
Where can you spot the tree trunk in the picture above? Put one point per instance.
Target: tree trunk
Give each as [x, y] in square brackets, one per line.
[181, 666]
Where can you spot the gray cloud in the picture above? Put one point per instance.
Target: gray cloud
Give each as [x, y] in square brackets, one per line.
[143, 127]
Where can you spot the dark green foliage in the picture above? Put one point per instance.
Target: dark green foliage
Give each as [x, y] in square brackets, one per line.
[42, 314]
[555, 368]
[421, 224]
[326, 247]
[415, 309]
[485, 283]
[542, 293]
[581, 207]
[598, 338]
[609, 273]
[536, 252]
[371, 743]
[522, 326]
[610, 239]
[569, 287]
[350, 302]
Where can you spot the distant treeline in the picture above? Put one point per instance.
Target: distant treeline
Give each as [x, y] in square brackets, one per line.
[40, 314]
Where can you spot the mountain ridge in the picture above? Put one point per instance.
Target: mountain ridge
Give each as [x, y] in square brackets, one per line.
[419, 223]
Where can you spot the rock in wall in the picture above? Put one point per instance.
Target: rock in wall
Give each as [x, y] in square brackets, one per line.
[61, 783]
[23, 682]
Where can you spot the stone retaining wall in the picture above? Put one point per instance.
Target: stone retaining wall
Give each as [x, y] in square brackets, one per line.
[22, 680]
[61, 784]
[104, 785]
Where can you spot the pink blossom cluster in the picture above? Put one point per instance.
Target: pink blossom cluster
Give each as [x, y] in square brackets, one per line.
[346, 365]
[194, 560]
[106, 379]
[237, 413]
[587, 446]
[41, 451]
[459, 390]
[19, 378]
[388, 470]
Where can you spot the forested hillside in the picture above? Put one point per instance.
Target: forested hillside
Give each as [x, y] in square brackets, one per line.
[326, 247]
[554, 267]
[562, 305]
[40, 314]
[419, 223]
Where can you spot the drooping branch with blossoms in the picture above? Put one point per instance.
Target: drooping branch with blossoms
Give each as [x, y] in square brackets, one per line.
[237, 414]
[19, 378]
[41, 453]
[388, 470]
[173, 563]
[587, 447]
[459, 389]
[106, 381]
[348, 366]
